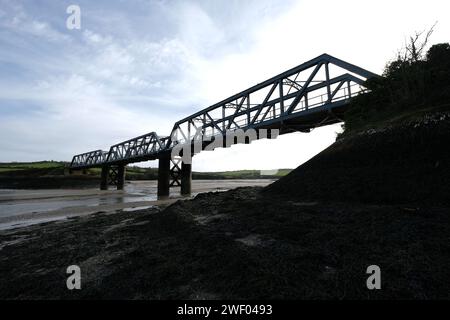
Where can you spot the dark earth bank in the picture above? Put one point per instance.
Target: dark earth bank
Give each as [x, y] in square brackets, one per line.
[405, 163]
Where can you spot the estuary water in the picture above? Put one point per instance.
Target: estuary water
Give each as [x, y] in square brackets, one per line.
[24, 207]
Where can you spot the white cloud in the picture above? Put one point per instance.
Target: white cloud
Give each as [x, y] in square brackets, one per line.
[17, 20]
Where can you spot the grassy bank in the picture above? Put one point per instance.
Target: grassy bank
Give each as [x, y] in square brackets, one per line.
[43, 175]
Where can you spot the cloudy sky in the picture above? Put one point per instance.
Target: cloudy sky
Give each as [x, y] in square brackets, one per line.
[137, 66]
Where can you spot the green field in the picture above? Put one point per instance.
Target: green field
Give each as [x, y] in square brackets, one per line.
[14, 166]
[240, 174]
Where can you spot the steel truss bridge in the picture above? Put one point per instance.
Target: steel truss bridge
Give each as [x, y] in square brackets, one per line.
[310, 95]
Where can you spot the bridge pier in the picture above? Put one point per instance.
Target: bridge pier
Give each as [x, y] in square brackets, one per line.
[164, 176]
[120, 176]
[104, 178]
[186, 179]
[112, 175]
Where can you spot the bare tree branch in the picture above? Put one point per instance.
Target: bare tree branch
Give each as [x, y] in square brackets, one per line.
[413, 50]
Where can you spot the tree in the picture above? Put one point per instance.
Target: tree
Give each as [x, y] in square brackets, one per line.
[414, 49]
[438, 53]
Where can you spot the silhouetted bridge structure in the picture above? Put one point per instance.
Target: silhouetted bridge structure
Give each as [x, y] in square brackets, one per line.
[313, 94]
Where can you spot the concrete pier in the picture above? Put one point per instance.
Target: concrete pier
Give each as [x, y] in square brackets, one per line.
[164, 176]
[186, 179]
[120, 176]
[115, 175]
[104, 178]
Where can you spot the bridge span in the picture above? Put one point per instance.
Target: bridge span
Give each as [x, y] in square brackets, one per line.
[315, 93]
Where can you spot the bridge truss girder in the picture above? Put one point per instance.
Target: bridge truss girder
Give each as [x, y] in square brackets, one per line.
[289, 101]
[283, 97]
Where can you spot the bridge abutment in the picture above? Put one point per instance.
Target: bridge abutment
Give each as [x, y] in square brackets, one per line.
[164, 176]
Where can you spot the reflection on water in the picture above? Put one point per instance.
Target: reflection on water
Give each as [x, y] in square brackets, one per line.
[49, 200]
[137, 208]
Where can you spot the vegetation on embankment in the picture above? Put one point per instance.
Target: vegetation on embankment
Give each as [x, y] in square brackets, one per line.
[412, 86]
[55, 174]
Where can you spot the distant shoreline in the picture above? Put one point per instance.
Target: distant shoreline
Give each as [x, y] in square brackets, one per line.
[55, 175]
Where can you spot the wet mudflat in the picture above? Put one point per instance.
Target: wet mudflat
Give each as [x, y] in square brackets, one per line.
[25, 207]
